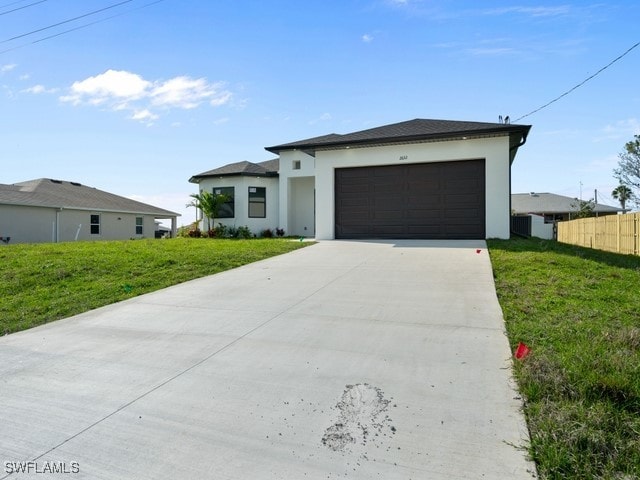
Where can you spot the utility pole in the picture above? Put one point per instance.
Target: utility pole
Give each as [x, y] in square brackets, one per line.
[580, 190]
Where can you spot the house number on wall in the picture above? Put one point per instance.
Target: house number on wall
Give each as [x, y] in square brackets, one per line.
[404, 157]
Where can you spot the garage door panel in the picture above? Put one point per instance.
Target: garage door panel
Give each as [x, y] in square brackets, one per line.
[424, 214]
[421, 187]
[388, 172]
[461, 199]
[355, 202]
[431, 200]
[420, 231]
[394, 217]
[354, 188]
[385, 190]
[389, 201]
[426, 200]
[461, 184]
[386, 229]
[465, 214]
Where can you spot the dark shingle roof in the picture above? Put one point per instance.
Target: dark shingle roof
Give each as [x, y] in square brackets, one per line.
[45, 192]
[550, 203]
[410, 131]
[261, 169]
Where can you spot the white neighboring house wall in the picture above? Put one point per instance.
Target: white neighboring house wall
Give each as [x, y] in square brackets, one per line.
[241, 184]
[540, 229]
[494, 150]
[27, 224]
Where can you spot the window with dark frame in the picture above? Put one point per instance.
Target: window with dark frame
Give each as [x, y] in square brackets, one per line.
[139, 225]
[94, 224]
[228, 208]
[257, 202]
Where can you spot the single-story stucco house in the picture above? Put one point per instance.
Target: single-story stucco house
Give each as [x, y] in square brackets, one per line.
[419, 179]
[553, 207]
[46, 210]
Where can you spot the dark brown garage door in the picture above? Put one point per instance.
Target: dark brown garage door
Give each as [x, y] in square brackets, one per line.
[426, 200]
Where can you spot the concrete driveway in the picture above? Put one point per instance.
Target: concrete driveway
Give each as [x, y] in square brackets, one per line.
[341, 360]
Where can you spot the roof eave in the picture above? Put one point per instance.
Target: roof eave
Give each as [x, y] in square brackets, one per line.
[158, 213]
[310, 148]
[197, 178]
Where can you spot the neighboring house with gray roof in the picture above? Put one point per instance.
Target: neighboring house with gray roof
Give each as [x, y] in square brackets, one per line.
[553, 207]
[46, 210]
[415, 179]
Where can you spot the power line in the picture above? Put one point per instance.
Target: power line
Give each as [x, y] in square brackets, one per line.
[20, 8]
[579, 85]
[80, 27]
[66, 21]
[12, 3]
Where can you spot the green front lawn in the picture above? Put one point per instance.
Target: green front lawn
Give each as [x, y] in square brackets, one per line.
[579, 311]
[45, 282]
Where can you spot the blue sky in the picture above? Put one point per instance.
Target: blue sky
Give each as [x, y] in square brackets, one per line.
[137, 103]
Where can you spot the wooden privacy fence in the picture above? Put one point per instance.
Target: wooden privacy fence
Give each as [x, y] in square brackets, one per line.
[613, 233]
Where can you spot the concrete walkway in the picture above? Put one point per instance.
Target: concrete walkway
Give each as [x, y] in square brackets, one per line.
[341, 360]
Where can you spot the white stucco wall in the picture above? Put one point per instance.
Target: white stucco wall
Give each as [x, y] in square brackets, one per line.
[241, 185]
[495, 151]
[296, 193]
[41, 224]
[27, 224]
[113, 226]
[540, 229]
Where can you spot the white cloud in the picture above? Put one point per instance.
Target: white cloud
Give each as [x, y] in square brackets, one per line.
[188, 93]
[38, 89]
[322, 118]
[122, 90]
[107, 86]
[622, 129]
[366, 38]
[531, 11]
[144, 115]
[7, 67]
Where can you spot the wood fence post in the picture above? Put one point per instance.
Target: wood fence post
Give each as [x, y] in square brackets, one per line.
[619, 234]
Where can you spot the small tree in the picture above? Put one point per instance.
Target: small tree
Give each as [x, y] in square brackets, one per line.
[622, 193]
[628, 171]
[209, 204]
[583, 208]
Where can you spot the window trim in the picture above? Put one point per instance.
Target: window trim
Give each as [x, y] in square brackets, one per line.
[141, 226]
[93, 224]
[262, 201]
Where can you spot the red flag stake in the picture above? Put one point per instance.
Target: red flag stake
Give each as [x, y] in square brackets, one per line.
[522, 351]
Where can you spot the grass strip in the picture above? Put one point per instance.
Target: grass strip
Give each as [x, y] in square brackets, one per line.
[579, 311]
[40, 283]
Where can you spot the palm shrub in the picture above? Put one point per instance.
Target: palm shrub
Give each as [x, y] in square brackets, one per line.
[209, 204]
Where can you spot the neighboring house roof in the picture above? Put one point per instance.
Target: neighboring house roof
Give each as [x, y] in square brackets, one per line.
[260, 169]
[45, 192]
[550, 203]
[411, 131]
